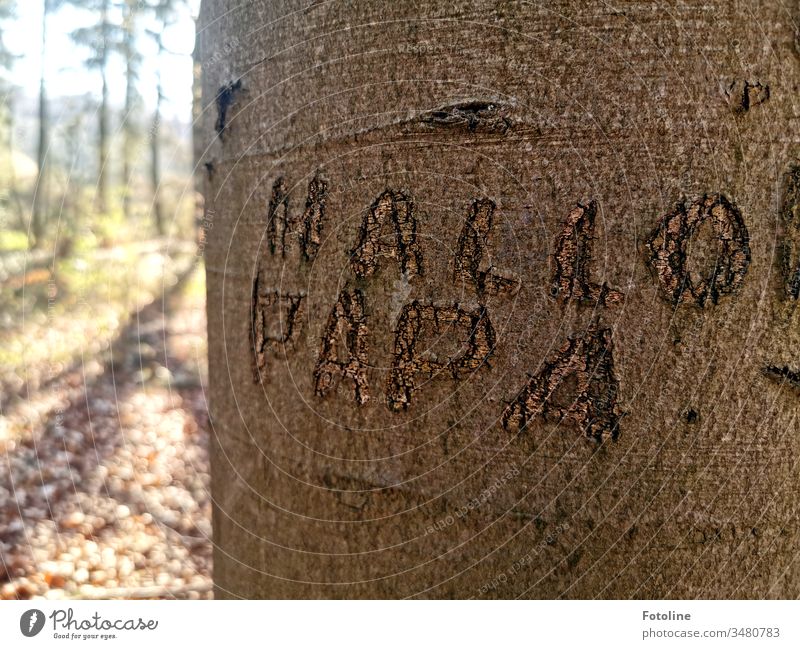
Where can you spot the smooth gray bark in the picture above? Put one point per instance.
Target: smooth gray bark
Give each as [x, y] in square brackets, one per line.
[606, 187]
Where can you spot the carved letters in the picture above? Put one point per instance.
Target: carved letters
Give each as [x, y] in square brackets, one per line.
[281, 226]
[275, 323]
[699, 252]
[471, 327]
[344, 347]
[389, 230]
[313, 217]
[675, 241]
[278, 217]
[470, 259]
[572, 257]
[579, 383]
[790, 247]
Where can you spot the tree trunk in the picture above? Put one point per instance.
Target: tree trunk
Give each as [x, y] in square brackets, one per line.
[40, 191]
[501, 300]
[13, 184]
[129, 36]
[102, 144]
[155, 154]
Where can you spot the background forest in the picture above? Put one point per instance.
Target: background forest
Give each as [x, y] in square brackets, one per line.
[103, 466]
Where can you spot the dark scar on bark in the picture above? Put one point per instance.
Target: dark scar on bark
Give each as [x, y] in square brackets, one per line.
[353, 492]
[471, 115]
[579, 384]
[226, 96]
[275, 324]
[347, 322]
[346, 490]
[392, 210]
[790, 246]
[471, 249]
[691, 416]
[409, 362]
[783, 375]
[743, 95]
[669, 247]
[572, 260]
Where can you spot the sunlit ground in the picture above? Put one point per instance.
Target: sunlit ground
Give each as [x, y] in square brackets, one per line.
[104, 477]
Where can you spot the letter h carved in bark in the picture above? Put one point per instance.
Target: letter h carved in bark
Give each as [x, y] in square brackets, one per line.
[280, 224]
[278, 217]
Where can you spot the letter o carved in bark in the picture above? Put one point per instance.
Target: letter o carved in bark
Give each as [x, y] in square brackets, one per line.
[671, 250]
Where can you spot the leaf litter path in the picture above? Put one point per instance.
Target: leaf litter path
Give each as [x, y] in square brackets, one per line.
[108, 493]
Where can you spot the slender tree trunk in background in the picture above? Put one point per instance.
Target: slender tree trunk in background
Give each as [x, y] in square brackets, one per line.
[501, 299]
[13, 184]
[102, 176]
[102, 146]
[155, 154]
[197, 139]
[40, 193]
[129, 47]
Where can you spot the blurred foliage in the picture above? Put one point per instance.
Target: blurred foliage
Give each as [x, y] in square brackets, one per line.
[102, 325]
[92, 266]
[13, 240]
[145, 168]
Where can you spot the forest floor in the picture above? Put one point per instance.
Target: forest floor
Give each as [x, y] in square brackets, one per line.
[104, 476]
